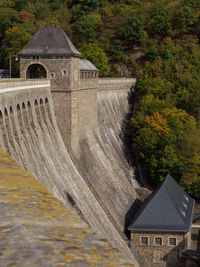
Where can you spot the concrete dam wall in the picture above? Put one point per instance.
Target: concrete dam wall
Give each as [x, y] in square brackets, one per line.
[101, 157]
[95, 175]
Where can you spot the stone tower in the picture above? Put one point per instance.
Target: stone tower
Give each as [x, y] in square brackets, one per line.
[50, 54]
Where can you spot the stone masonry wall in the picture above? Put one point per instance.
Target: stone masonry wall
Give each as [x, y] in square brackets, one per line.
[60, 82]
[147, 254]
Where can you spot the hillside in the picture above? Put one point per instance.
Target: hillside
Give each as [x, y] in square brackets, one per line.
[155, 41]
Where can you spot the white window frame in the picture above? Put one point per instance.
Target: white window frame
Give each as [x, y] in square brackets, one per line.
[52, 73]
[64, 74]
[169, 242]
[141, 240]
[155, 241]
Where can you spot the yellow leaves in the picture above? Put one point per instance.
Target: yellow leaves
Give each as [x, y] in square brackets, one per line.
[12, 30]
[158, 122]
[171, 120]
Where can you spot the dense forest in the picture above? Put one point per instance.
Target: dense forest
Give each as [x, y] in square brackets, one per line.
[156, 41]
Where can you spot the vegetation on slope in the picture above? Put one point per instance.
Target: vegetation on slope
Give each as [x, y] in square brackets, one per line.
[156, 41]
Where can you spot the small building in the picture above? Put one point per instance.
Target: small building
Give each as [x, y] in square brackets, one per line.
[4, 73]
[88, 70]
[160, 230]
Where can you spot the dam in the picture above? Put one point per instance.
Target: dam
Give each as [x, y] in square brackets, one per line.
[67, 131]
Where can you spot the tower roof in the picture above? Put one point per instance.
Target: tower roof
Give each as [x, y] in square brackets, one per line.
[49, 41]
[169, 208]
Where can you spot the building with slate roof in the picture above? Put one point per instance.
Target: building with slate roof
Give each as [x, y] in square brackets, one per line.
[50, 54]
[88, 70]
[161, 227]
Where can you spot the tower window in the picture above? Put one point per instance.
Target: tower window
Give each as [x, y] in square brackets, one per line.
[64, 72]
[52, 75]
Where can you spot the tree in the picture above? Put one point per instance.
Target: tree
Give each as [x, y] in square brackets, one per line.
[87, 26]
[97, 56]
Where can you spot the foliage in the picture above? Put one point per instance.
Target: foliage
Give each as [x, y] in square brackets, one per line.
[165, 127]
[87, 26]
[97, 56]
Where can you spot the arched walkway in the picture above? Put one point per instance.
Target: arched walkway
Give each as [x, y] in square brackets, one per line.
[36, 71]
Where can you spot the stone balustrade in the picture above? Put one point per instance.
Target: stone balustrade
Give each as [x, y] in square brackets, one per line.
[107, 83]
[18, 84]
[115, 83]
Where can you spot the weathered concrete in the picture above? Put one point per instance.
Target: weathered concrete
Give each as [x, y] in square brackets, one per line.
[30, 135]
[37, 229]
[101, 160]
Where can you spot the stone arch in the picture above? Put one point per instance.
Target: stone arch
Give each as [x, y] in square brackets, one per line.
[36, 71]
[28, 104]
[23, 106]
[46, 100]
[41, 101]
[36, 102]
[1, 115]
[5, 112]
[11, 110]
[18, 107]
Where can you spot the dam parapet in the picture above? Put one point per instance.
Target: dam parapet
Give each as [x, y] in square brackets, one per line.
[22, 84]
[116, 83]
[107, 83]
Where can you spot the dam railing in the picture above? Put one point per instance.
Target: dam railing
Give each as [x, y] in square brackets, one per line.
[18, 84]
[106, 83]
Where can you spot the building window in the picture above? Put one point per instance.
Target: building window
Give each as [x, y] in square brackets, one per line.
[52, 75]
[172, 241]
[64, 72]
[144, 241]
[158, 241]
[158, 255]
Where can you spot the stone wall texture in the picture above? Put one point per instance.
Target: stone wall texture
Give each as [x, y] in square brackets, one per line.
[60, 82]
[147, 254]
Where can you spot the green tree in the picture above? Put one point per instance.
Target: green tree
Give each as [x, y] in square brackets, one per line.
[97, 56]
[87, 26]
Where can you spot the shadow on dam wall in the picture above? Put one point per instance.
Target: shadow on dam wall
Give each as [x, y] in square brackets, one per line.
[103, 188]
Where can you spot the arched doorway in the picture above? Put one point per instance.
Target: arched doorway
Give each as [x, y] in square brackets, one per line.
[36, 71]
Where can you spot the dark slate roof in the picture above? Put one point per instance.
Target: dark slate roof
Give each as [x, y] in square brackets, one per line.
[86, 65]
[49, 41]
[168, 208]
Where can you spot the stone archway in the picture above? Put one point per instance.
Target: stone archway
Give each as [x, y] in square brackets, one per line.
[36, 71]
